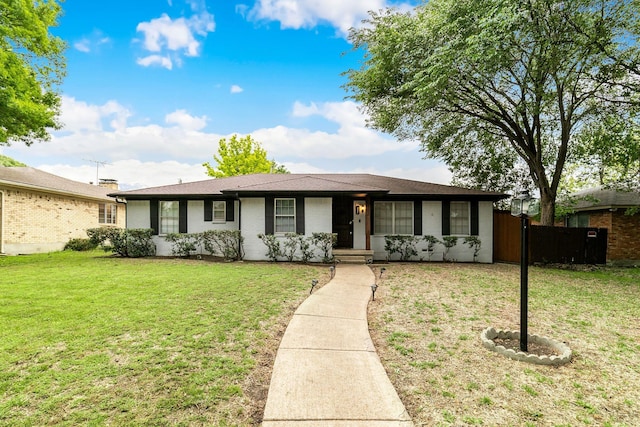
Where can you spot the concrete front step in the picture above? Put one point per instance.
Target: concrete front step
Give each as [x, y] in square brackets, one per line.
[353, 256]
[351, 259]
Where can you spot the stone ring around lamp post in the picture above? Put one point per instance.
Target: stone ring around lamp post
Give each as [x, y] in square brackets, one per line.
[490, 334]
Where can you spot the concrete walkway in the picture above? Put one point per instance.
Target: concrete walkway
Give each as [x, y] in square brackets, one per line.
[327, 372]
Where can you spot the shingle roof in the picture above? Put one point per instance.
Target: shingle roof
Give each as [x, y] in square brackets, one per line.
[35, 179]
[600, 198]
[309, 183]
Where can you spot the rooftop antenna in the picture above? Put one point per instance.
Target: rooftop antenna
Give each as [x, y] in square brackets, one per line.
[98, 164]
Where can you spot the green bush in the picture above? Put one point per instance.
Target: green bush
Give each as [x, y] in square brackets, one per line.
[448, 242]
[325, 242]
[182, 244]
[432, 241]
[132, 242]
[475, 244]
[273, 246]
[227, 243]
[80, 245]
[405, 246]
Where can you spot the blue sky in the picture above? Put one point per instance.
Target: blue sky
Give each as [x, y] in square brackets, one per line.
[153, 85]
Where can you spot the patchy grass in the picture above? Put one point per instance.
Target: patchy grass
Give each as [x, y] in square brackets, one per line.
[426, 323]
[94, 340]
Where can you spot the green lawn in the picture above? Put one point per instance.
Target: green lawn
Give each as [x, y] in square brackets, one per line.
[94, 340]
[426, 324]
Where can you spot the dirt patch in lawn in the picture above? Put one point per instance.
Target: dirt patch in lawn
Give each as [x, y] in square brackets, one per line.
[426, 323]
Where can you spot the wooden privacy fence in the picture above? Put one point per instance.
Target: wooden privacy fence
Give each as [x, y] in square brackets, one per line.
[548, 244]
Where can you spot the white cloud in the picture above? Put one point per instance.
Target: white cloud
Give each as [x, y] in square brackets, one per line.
[161, 153]
[78, 116]
[131, 174]
[310, 13]
[170, 38]
[91, 42]
[163, 61]
[186, 121]
[352, 138]
[83, 45]
[236, 89]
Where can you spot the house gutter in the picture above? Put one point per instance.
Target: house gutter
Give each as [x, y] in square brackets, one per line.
[240, 225]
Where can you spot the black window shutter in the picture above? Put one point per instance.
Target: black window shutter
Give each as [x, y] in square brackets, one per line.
[268, 215]
[230, 211]
[182, 219]
[372, 214]
[417, 218]
[154, 216]
[474, 218]
[300, 215]
[446, 218]
[208, 210]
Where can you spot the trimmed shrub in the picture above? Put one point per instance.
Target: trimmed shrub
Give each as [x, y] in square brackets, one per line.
[405, 246]
[325, 242]
[448, 242]
[80, 245]
[273, 246]
[182, 244]
[474, 243]
[226, 243]
[432, 241]
[132, 243]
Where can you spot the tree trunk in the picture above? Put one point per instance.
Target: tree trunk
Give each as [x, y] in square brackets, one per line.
[547, 208]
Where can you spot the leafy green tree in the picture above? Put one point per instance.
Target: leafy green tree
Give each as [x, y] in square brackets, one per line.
[241, 156]
[8, 161]
[31, 68]
[497, 84]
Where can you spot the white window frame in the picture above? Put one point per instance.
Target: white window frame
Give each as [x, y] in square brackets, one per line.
[453, 211]
[218, 214]
[393, 218]
[176, 226]
[276, 215]
[107, 213]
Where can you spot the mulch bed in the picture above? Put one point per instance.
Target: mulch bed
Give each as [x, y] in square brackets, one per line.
[532, 348]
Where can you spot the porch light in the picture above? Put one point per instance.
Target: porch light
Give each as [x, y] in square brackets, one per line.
[524, 206]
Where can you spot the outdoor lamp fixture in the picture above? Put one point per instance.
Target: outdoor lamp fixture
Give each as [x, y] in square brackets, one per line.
[373, 291]
[524, 206]
[382, 270]
[314, 282]
[332, 271]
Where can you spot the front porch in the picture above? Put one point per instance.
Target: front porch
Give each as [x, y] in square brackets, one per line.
[353, 256]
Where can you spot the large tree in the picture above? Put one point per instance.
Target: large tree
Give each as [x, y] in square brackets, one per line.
[241, 156]
[488, 85]
[31, 68]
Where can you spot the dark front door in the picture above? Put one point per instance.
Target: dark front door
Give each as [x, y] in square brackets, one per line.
[343, 221]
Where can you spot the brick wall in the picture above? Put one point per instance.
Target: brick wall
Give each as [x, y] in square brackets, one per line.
[41, 222]
[624, 236]
[623, 242]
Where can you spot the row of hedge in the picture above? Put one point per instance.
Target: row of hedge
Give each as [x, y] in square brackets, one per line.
[406, 246]
[137, 242]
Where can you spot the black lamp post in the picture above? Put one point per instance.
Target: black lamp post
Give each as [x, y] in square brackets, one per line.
[524, 206]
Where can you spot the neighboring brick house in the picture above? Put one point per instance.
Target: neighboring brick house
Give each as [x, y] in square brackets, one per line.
[610, 209]
[41, 212]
